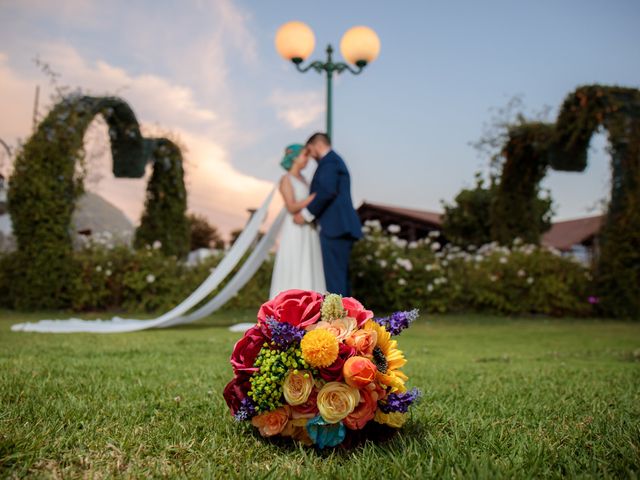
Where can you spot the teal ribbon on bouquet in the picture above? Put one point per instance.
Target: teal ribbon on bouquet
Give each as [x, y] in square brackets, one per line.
[325, 434]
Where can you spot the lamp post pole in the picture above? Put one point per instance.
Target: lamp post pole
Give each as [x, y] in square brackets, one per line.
[329, 67]
[359, 45]
[329, 91]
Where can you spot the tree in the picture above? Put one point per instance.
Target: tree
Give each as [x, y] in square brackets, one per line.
[233, 236]
[203, 234]
[467, 221]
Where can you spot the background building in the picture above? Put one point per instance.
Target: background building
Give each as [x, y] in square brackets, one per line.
[93, 216]
[578, 237]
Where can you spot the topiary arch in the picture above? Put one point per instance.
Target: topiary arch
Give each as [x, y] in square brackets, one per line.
[46, 183]
[532, 148]
[164, 216]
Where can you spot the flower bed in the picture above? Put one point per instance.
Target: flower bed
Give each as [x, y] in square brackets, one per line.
[389, 272]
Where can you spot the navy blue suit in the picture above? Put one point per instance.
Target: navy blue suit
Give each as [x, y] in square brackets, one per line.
[339, 223]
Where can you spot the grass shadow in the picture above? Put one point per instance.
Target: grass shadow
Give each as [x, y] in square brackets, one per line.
[373, 434]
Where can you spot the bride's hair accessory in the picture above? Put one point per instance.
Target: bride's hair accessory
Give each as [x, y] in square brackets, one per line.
[290, 154]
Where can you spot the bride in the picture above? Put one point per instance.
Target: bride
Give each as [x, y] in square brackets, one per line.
[298, 262]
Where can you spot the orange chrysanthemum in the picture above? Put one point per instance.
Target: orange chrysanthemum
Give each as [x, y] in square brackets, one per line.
[319, 348]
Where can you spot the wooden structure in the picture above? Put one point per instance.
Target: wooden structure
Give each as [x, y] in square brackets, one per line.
[414, 224]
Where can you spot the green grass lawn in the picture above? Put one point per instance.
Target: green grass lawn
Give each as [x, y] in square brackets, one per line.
[502, 398]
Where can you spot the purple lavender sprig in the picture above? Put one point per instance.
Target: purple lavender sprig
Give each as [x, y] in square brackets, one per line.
[399, 402]
[246, 410]
[398, 321]
[284, 334]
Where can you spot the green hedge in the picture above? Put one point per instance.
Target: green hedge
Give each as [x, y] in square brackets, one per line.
[516, 210]
[118, 278]
[388, 274]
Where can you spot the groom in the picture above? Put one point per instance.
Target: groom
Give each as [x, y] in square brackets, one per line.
[333, 211]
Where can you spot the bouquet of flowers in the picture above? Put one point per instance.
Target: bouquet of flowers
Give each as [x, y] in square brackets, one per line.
[319, 368]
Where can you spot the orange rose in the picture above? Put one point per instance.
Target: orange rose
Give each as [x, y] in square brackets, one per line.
[366, 409]
[359, 371]
[364, 341]
[271, 423]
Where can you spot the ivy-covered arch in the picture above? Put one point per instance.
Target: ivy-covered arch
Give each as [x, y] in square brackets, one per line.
[164, 216]
[46, 182]
[514, 210]
[533, 148]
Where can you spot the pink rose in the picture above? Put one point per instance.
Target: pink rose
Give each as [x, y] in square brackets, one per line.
[246, 350]
[236, 391]
[356, 310]
[299, 308]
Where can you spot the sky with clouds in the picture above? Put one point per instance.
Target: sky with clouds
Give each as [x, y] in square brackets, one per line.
[207, 71]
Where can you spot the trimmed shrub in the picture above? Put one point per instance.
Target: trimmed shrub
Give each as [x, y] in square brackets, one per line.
[119, 278]
[164, 218]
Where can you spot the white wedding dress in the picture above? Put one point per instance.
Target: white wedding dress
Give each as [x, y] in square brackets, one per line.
[298, 262]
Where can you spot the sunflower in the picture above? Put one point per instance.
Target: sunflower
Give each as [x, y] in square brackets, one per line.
[388, 359]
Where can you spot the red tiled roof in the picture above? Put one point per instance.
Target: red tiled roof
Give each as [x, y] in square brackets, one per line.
[563, 235]
[419, 215]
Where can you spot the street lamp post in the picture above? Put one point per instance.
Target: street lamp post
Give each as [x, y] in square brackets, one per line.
[359, 46]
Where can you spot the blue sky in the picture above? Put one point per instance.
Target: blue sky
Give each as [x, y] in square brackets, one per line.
[208, 71]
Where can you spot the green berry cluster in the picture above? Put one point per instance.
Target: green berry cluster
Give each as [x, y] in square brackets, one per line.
[266, 384]
[332, 307]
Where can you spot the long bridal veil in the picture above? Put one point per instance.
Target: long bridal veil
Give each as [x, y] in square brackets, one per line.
[186, 311]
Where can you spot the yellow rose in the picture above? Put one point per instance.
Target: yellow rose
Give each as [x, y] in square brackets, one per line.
[297, 386]
[336, 400]
[393, 419]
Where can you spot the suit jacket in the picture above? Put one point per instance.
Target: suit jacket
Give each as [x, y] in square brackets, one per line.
[332, 205]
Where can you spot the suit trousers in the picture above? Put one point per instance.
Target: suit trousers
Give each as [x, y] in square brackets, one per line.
[336, 253]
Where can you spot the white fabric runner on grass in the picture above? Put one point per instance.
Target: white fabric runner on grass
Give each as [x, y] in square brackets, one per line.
[178, 315]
